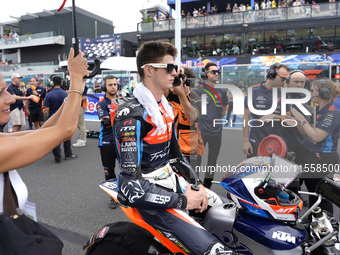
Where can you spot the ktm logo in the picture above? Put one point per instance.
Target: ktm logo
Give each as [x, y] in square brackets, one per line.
[282, 236]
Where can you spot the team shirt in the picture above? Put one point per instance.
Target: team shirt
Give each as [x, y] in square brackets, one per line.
[187, 131]
[34, 107]
[327, 119]
[106, 133]
[14, 90]
[262, 100]
[216, 99]
[54, 99]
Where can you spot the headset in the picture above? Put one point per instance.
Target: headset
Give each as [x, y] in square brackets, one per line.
[307, 83]
[324, 90]
[103, 85]
[271, 73]
[54, 80]
[204, 74]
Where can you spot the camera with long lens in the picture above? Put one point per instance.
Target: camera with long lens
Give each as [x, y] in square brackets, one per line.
[178, 78]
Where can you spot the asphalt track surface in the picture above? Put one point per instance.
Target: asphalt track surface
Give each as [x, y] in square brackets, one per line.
[68, 198]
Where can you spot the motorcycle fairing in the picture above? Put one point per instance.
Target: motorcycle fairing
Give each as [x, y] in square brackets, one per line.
[271, 234]
[269, 176]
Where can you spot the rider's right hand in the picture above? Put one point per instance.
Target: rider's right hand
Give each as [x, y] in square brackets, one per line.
[196, 199]
[247, 148]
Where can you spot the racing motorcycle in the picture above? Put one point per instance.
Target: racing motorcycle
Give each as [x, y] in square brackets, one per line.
[258, 214]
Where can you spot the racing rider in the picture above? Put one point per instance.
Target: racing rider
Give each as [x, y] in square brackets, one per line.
[146, 140]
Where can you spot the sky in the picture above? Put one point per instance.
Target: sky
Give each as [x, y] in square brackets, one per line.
[125, 14]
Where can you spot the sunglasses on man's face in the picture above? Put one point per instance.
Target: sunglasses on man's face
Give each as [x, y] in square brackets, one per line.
[283, 79]
[215, 72]
[169, 67]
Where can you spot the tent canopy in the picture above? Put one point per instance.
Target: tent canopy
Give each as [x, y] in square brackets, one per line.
[120, 63]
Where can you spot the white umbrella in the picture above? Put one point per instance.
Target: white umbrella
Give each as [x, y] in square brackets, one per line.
[120, 63]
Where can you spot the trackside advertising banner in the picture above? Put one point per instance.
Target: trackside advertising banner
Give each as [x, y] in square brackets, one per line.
[91, 111]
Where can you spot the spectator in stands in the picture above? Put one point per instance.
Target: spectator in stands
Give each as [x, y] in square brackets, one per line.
[268, 4]
[228, 8]
[167, 16]
[235, 8]
[235, 49]
[17, 114]
[242, 7]
[188, 15]
[183, 14]
[195, 13]
[256, 6]
[297, 7]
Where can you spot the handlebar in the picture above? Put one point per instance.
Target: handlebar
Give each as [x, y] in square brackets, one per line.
[309, 250]
[312, 207]
[192, 171]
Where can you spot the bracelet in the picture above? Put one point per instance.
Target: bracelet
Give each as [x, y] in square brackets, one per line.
[76, 91]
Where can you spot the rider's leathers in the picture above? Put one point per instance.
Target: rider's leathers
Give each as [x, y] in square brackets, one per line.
[143, 151]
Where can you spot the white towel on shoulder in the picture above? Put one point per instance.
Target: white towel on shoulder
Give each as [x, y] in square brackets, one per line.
[146, 98]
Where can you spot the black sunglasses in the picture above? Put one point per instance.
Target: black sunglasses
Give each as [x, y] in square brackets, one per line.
[169, 67]
[283, 79]
[215, 72]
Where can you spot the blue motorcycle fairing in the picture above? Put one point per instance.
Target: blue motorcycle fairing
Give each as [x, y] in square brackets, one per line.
[272, 234]
[238, 189]
[254, 210]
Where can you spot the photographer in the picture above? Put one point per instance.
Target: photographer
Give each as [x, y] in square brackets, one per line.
[187, 105]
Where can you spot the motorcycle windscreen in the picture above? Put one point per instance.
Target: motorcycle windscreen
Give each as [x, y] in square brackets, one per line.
[283, 171]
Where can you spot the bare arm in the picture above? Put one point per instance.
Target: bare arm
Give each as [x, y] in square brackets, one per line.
[315, 134]
[224, 110]
[27, 106]
[20, 97]
[16, 151]
[188, 109]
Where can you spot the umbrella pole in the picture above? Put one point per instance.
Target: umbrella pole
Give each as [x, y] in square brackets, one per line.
[75, 40]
